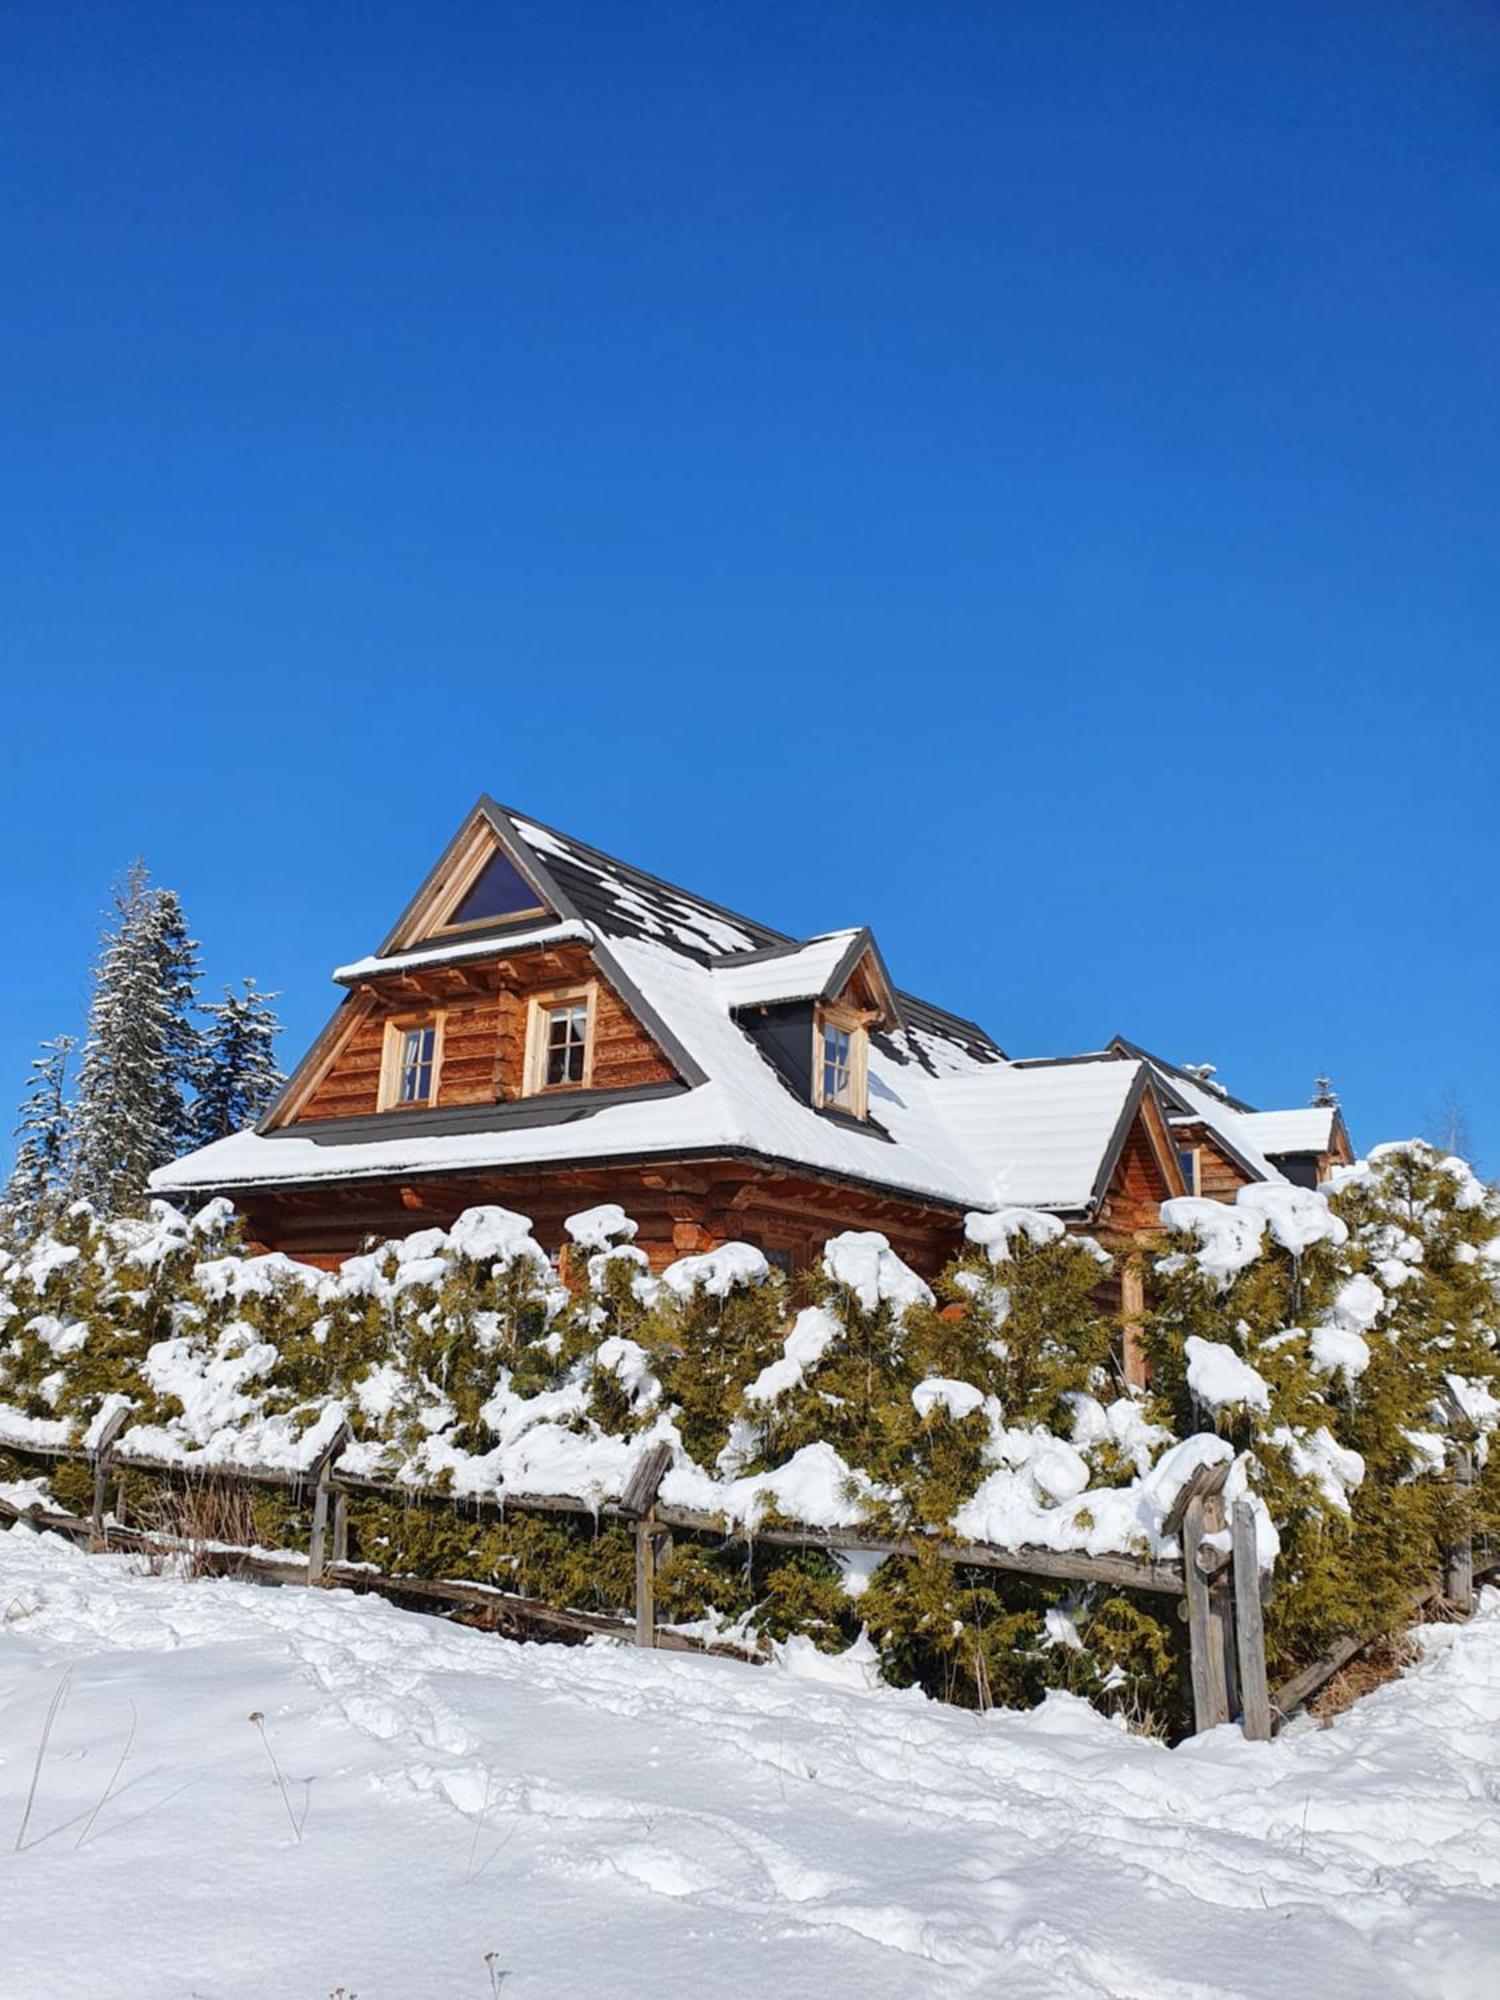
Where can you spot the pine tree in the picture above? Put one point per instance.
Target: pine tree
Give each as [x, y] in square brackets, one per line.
[41, 1165]
[237, 1076]
[141, 1053]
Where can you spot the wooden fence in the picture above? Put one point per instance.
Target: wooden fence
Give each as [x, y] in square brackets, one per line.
[1218, 1580]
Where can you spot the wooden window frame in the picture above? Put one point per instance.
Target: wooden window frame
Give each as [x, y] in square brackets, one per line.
[465, 878]
[538, 1007]
[856, 1025]
[397, 1028]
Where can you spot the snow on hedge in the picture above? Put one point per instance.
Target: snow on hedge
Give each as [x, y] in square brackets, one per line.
[460, 1361]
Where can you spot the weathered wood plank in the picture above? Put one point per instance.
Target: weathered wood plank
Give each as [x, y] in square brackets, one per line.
[645, 1582]
[104, 1451]
[1122, 1571]
[640, 1492]
[1458, 1570]
[1290, 1696]
[1205, 1628]
[322, 1473]
[1249, 1628]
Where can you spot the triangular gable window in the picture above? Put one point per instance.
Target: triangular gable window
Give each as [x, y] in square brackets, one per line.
[497, 892]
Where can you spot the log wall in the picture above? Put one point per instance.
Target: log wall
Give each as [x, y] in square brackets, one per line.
[483, 1010]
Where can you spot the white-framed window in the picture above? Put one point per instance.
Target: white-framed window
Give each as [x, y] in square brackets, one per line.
[1187, 1159]
[840, 1061]
[560, 1041]
[410, 1062]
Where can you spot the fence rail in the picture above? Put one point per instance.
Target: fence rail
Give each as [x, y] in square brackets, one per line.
[1219, 1580]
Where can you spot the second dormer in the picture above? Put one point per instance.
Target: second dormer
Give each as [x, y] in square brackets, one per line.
[811, 1009]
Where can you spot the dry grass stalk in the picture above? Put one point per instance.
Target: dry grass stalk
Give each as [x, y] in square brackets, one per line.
[59, 1696]
[208, 1516]
[1380, 1662]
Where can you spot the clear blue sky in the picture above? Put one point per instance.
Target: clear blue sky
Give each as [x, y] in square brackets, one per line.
[1022, 475]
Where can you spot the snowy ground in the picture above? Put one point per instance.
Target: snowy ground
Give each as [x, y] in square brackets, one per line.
[606, 1822]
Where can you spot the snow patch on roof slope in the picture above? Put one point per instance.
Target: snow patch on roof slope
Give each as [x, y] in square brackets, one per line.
[802, 973]
[1207, 1109]
[1306, 1130]
[451, 954]
[655, 906]
[1037, 1136]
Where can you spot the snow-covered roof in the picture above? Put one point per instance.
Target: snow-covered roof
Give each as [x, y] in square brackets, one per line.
[1041, 1137]
[950, 1118]
[787, 972]
[743, 1106]
[1204, 1107]
[454, 951]
[1308, 1129]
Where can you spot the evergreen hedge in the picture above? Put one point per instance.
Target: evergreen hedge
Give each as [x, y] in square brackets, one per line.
[1343, 1344]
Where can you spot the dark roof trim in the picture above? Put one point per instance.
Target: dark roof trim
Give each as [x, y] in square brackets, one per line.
[1118, 1044]
[861, 945]
[521, 858]
[562, 1107]
[404, 1175]
[1144, 1086]
[341, 1022]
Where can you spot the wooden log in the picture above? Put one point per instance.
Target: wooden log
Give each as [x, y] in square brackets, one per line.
[1458, 1572]
[645, 1582]
[417, 1589]
[1291, 1695]
[1206, 1636]
[322, 1472]
[644, 1483]
[1122, 1572]
[1249, 1628]
[103, 1452]
[1216, 1565]
[340, 1525]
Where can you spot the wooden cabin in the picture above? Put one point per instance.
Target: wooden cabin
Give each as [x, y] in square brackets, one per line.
[547, 1027]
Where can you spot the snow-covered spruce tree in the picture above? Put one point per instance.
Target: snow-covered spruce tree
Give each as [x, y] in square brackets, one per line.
[236, 1074]
[39, 1176]
[140, 1056]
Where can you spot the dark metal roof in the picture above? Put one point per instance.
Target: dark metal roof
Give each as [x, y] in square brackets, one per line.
[625, 901]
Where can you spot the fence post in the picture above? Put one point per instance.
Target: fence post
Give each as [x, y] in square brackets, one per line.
[1458, 1572]
[104, 1451]
[1206, 1592]
[323, 1474]
[1249, 1628]
[638, 1503]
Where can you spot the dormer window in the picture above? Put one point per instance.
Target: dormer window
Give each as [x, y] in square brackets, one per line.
[412, 1059]
[560, 1041]
[840, 1053]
